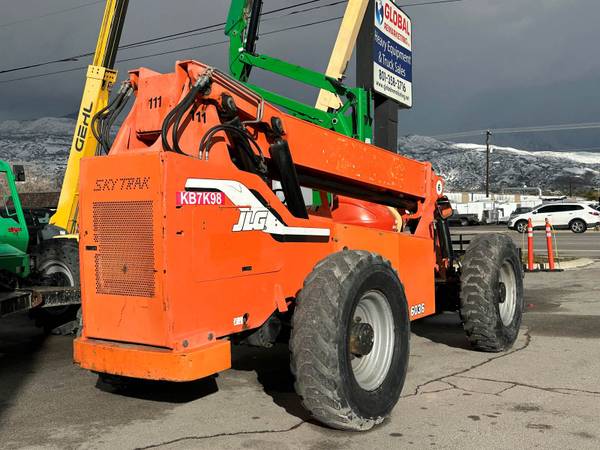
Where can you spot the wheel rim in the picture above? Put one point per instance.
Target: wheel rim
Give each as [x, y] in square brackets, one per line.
[370, 370]
[577, 227]
[507, 295]
[521, 227]
[57, 274]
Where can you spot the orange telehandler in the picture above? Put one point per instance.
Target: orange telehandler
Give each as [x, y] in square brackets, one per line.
[188, 245]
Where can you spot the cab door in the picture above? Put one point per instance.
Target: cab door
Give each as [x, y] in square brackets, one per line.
[14, 236]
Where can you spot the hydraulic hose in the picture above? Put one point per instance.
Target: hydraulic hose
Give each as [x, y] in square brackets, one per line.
[173, 118]
[169, 119]
[185, 105]
[202, 150]
[114, 115]
[97, 120]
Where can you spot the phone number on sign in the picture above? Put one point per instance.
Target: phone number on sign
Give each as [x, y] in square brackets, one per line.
[390, 80]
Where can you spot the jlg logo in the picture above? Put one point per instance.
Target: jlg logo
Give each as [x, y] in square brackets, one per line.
[252, 220]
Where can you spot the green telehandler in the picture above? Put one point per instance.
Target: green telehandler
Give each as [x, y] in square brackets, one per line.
[37, 274]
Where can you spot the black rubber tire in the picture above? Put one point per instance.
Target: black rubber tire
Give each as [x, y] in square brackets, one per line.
[319, 341]
[480, 292]
[518, 225]
[582, 229]
[60, 255]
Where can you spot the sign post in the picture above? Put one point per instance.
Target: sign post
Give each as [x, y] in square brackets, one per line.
[384, 65]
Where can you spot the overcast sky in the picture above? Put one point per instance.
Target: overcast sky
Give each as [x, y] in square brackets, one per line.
[477, 63]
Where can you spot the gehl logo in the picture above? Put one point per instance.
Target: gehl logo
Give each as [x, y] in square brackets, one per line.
[252, 220]
[82, 129]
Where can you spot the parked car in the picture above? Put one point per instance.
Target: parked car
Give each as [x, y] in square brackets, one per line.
[572, 216]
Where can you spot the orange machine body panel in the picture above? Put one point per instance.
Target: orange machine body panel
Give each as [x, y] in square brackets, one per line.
[180, 252]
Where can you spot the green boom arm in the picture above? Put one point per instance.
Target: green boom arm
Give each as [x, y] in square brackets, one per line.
[352, 119]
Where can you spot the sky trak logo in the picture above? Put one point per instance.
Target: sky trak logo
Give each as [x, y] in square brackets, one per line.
[379, 12]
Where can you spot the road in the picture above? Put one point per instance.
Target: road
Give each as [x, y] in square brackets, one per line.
[543, 393]
[585, 245]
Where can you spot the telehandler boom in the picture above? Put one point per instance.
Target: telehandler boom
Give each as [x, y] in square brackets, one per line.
[187, 246]
[99, 80]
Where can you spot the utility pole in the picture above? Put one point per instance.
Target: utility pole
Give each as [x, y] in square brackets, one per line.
[488, 134]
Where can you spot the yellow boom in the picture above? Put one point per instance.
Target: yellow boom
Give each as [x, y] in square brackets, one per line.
[342, 50]
[100, 78]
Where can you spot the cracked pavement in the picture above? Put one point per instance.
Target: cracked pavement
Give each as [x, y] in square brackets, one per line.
[543, 393]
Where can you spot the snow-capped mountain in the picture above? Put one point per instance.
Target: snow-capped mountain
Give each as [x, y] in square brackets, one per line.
[42, 145]
[463, 165]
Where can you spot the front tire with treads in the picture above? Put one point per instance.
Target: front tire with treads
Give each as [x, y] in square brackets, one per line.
[350, 340]
[491, 294]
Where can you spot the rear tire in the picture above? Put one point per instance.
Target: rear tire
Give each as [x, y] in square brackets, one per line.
[578, 226]
[350, 340]
[491, 297]
[58, 264]
[521, 226]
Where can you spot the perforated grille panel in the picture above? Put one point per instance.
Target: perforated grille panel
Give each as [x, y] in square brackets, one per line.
[124, 235]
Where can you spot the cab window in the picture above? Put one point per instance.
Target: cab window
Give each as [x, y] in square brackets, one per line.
[7, 207]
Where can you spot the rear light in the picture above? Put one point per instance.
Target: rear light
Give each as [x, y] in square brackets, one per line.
[595, 213]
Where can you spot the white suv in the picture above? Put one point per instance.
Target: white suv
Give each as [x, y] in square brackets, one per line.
[573, 216]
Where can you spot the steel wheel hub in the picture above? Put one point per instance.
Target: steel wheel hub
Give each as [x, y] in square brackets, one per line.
[361, 339]
[371, 340]
[507, 293]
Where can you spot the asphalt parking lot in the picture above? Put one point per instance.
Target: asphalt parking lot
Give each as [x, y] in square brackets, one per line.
[544, 393]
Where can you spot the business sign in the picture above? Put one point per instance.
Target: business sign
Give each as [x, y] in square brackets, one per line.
[392, 53]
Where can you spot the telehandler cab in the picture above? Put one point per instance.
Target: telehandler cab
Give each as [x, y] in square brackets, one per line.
[36, 275]
[187, 246]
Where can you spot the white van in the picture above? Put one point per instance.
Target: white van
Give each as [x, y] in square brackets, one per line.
[576, 217]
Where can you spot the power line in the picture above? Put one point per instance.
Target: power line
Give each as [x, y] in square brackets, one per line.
[172, 51]
[179, 35]
[218, 26]
[535, 129]
[54, 13]
[205, 30]
[190, 33]
[318, 22]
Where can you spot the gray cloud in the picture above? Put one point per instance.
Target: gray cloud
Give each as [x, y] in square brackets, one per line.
[478, 63]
